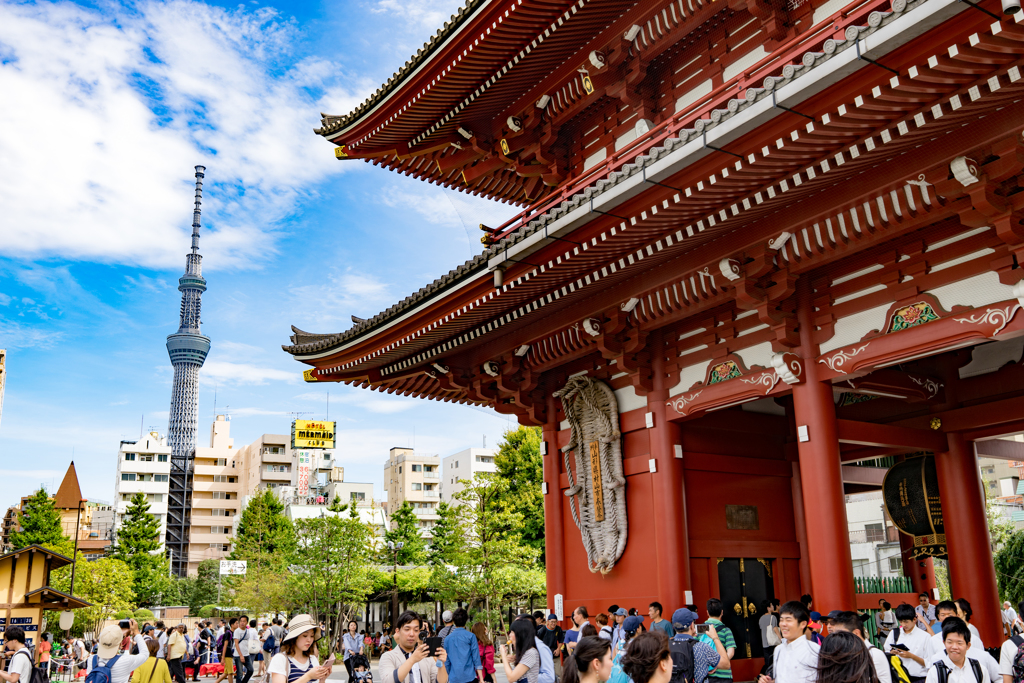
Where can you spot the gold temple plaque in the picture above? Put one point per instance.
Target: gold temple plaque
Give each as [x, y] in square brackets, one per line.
[595, 472]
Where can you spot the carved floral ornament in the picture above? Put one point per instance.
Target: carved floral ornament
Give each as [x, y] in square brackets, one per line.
[718, 391]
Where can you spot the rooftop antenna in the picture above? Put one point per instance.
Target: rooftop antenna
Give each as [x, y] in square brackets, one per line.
[485, 441]
[328, 418]
[214, 402]
[298, 414]
[142, 422]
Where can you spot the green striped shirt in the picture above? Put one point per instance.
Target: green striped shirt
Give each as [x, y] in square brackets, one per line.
[728, 640]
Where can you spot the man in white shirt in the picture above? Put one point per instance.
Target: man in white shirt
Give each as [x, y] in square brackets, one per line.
[1009, 617]
[21, 662]
[912, 644]
[958, 667]
[851, 623]
[944, 610]
[243, 660]
[1008, 652]
[796, 659]
[161, 638]
[109, 643]
[925, 613]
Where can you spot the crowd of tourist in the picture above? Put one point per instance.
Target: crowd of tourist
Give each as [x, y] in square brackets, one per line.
[923, 643]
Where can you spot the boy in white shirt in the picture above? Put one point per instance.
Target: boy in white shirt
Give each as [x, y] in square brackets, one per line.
[912, 644]
[796, 659]
[944, 610]
[1008, 652]
[955, 666]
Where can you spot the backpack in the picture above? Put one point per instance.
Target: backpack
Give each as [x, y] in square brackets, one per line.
[99, 674]
[1017, 667]
[943, 671]
[37, 675]
[897, 669]
[268, 644]
[547, 663]
[682, 660]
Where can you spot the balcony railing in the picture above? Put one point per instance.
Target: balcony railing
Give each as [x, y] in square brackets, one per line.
[890, 535]
[431, 475]
[425, 511]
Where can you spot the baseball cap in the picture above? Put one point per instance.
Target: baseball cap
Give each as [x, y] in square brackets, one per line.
[815, 616]
[147, 628]
[109, 641]
[552, 616]
[682, 618]
[446, 617]
[620, 612]
[632, 623]
[834, 614]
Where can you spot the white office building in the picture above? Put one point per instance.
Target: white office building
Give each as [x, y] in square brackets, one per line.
[464, 465]
[143, 466]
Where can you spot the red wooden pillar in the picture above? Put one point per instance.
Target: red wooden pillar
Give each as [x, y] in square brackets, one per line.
[828, 536]
[673, 545]
[799, 515]
[554, 546]
[971, 570]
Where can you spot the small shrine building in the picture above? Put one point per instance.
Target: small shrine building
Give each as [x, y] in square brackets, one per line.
[763, 244]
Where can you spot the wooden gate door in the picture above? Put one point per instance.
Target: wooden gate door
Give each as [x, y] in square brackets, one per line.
[743, 583]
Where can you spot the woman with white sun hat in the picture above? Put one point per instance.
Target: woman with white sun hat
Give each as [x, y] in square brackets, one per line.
[297, 661]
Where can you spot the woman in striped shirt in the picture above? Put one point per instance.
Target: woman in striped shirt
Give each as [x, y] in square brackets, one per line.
[297, 661]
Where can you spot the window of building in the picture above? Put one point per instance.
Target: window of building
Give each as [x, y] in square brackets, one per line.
[484, 458]
[357, 495]
[161, 458]
[127, 476]
[417, 487]
[874, 533]
[399, 470]
[155, 498]
[129, 456]
[126, 496]
[456, 464]
[220, 513]
[417, 468]
[220, 462]
[159, 477]
[215, 546]
[146, 457]
[429, 468]
[896, 564]
[218, 478]
[861, 567]
[429, 487]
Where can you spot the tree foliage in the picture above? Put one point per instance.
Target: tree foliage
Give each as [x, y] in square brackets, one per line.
[1009, 563]
[331, 570]
[493, 541]
[196, 591]
[519, 463]
[138, 546]
[264, 536]
[405, 530]
[106, 583]
[39, 522]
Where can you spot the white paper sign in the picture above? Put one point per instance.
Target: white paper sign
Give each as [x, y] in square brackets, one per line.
[559, 606]
[233, 567]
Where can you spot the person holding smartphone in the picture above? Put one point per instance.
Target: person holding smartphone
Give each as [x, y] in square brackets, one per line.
[410, 660]
[519, 655]
[910, 643]
[297, 661]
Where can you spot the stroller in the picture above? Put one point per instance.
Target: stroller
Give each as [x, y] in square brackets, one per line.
[356, 661]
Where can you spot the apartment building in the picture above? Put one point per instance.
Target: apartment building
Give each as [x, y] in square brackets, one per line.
[268, 463]
[143, 466]
[464, 465]
[413, 478]
[217, 491]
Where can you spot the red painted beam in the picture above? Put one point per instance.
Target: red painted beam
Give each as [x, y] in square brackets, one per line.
[882, 435]
[865, 476]
[1000, 448]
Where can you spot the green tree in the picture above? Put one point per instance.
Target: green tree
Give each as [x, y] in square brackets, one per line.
[332, 572]
[264, 536]
[336, 504]
[39, 522]
[1009, 563]
[447, 536]
[138, 546]
[199, 590]
[493, 540]
[405, 530]
[519, 462]
[106, 583]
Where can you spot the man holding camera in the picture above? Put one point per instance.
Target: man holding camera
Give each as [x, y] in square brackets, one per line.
[411, 662]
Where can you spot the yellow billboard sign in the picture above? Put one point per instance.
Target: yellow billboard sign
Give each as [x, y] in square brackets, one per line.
[312, 434]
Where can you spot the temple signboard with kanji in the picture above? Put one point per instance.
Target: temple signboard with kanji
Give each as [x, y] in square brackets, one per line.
[787, 237]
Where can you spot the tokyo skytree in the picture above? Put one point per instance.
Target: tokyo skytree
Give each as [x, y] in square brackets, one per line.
[187, 349]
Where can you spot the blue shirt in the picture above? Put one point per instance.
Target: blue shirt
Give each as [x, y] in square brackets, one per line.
[463, 660]
[351, 642]
[704, 658]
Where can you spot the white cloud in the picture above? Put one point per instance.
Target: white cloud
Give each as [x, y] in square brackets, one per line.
[18, 336]
[225, 372]
[246, 412]
[149, 91]
[342, 294]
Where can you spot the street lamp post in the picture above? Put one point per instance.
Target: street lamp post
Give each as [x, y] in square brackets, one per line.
[394, 592]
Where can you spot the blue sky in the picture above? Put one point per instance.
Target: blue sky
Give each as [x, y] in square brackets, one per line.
[107, 107]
